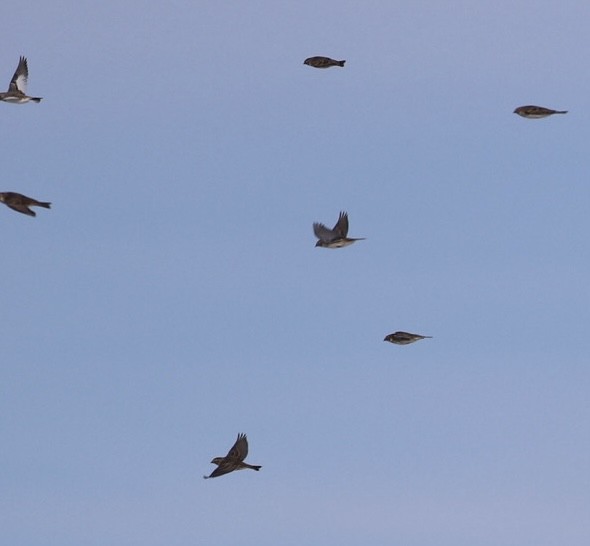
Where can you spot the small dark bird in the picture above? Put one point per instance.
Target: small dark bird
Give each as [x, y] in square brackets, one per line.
[336, 237]
[322, 62]
[536, 112]
[234, 460]
[404, 338]
[21, 203]
[18, 85]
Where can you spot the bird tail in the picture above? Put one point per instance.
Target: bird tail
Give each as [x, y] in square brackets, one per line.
[341, 63]
[44, 204]
[561, 111]
[256, 467]
[36, 99]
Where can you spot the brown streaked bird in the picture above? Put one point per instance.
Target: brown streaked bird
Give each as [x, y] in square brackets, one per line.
[234, 460]
[336, 237]
[536, 112]
[404, 338]
[17, 90]
[322, 62]
[21, 203]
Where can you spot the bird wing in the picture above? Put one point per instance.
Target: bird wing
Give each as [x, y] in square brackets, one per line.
[323, 233]
[238, 451]
[537, 111]
[21, 75]
[22, 208]
[224, 468]
[341, 227]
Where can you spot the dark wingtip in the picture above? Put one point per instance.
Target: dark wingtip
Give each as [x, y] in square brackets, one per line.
[36, 99]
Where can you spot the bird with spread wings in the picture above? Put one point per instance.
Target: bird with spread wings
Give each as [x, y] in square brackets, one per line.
[234, 460]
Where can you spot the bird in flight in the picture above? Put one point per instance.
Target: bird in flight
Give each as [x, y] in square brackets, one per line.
[234, 460]
[336, 237]
[21, 203]
[536, 112]
[404, 338]
[17, 90]
[322, 62]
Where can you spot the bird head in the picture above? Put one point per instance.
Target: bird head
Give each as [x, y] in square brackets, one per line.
[217, 461]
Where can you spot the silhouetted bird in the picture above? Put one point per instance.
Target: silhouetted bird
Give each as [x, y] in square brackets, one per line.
[234, 460]
[18, 85]
[336, 237]
[404, 338]
[21, 203]
[536, 112]
[322, 62]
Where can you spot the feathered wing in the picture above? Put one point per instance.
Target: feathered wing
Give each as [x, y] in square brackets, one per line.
[323, 233]
[21, 75]
[22, 208]
[224, 468]
[239, 450]
[539, 111]
[341, 227]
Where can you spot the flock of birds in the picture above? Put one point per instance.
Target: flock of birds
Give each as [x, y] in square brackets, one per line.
[337, 237]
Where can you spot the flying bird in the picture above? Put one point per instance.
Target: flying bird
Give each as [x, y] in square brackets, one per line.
[21, 203]
[404, 338]
[336, 237]
[322, 62]
[234, 460]
[17, 90]
[536, 112]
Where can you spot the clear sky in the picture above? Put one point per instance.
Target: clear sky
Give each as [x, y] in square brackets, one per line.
[173, 296]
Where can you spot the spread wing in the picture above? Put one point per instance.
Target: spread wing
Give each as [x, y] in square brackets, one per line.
[238, 452]
[224, 468]
[19, 80]
[323, 233]
[341, 227]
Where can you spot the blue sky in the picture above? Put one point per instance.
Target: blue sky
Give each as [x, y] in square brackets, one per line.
[173, 296]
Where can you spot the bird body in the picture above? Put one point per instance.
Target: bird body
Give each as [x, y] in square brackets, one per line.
[336, 237]
[234, 460]
[536, 112]
[21, 203]
[322, 62]
[404, 338]
[17, 90]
